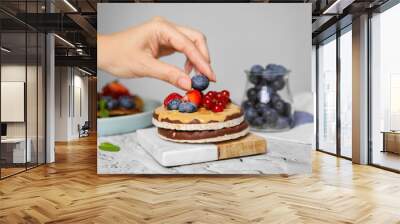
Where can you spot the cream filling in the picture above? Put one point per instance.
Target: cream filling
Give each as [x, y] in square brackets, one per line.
[208, 140]
[198, 127]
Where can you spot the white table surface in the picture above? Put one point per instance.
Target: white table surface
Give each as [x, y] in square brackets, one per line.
[284, 156]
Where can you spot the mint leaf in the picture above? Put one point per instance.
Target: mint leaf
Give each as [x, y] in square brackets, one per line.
[106, 146]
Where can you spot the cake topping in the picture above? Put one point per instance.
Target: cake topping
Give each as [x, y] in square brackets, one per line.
[194, 96]
[202, 115]
[194, 99]
[170, 97]
[187, 107]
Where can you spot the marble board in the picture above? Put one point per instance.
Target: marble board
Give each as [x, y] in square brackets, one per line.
[175, 154]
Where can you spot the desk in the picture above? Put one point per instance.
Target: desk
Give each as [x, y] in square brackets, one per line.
[391, 141]
[13, 150]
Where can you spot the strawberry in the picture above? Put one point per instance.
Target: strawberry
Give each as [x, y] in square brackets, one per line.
[194, 96]
[115, 90]
[170, 97]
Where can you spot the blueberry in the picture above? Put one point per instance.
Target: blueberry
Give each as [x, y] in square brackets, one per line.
[256, 69]
[126, 102]
[268, 76]
[262, 108]
[258, 121]
[274, 98]
[106, 98]
[278, 84]
[187, 107]
[191, 107]
[259, 86]
[112, 104]
[282, 122]
[200, 82]
[174, 104]
[252, 94]
[255, 78]
[280, 106]
[276, 69]
[250, 114]
[246, 104]
[271, 116]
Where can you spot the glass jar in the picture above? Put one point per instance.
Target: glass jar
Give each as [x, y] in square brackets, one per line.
[267, 102]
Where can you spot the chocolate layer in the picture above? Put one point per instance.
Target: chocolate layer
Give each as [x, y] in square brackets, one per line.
[196, 135]
[195, 121]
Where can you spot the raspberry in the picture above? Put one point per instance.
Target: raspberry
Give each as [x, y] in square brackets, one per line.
[171, 97]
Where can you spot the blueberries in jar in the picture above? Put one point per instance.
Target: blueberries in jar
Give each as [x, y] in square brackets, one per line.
[256, 69]
[280, 106]
[255, 78]
[250, 114]
[276, 69]
[268, 76]
[246, 104]
[262, 108]
[274, 98]
[258, 121]
[252, 95]
[278, 84]
[271, 116]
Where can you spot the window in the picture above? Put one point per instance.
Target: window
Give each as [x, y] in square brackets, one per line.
[327, 96]
[346, 92]
[385, 89]
[22, 87]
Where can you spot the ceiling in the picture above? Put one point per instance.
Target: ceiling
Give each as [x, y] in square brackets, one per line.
[76, 22]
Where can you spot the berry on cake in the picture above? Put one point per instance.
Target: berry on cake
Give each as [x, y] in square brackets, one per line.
[199, 117]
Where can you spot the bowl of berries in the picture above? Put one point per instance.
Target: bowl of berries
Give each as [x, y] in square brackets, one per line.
[120, 111]
[267, 102]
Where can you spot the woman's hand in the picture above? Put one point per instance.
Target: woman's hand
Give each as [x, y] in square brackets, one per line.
[135, 52]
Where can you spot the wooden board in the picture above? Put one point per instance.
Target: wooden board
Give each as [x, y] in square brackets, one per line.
[170, 154]
[250, 144]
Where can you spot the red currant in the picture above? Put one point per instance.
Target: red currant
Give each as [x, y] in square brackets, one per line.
[225, 93]
[221, 104]
[219, 96]
[207, 103]
[217, 108]
[211, 93]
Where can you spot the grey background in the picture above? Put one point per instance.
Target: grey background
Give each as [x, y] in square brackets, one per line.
[238, 35]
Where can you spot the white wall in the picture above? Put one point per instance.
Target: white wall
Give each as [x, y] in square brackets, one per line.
[239, 35]
[15, 72]
[69, 81]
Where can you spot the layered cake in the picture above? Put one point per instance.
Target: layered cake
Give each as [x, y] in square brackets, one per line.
[198, 117]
